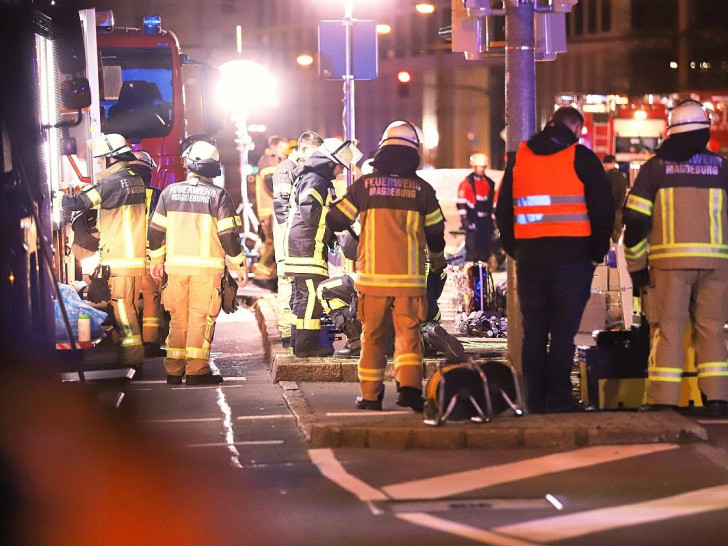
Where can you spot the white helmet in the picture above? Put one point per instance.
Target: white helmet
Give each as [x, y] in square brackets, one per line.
[111, 145]
[345, 153]
[203, 158]
[687, 116]
[143, 158]
[479, 159]
[402, 133]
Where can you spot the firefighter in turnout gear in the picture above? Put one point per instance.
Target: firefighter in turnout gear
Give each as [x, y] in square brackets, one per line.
[400, 221]
[555, 215]
[119, 194]
[193, 231]
[283, 182]
[308, 239]
[151, 289]
[475, 207]
[676, 222]
[265, 272]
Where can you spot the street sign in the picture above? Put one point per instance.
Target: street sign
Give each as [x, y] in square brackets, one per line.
[332, 49]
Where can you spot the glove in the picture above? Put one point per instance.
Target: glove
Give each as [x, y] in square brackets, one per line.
[439, 263]
[640, 279]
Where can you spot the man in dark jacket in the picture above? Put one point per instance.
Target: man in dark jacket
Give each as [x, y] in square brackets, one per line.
[308, 239]
[555, 215]
[619, 184]
[475, 207]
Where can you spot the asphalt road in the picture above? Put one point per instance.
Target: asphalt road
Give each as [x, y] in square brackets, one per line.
[272, 489]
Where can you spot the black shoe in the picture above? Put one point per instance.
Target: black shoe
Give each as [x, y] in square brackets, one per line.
[717, 408]
[152, 350]
[657, 407]
[350, 350]
[319, 351]
[410, 397]
[374, 405]
[204, 379]
[174, 379]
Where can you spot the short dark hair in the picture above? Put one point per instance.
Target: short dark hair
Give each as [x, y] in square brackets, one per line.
[275, 140]
[609, 158]
[568, 115]
[310, 137]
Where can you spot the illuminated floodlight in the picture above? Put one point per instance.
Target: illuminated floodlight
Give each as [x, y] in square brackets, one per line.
[425, 7]
[246, 86]
[304, 60]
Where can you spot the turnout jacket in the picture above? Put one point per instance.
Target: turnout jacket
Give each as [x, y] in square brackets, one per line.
[307, 233]
[475, 201]
[194, 227]
[400, 217]
[562, 173]
[264, 184]
[676, 213]
[120, 196]
[283, 181]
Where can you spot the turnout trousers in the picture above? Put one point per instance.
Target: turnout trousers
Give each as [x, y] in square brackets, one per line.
[193, 302]
[124, 291]
[286, 318]
[266, 267]
[375, 312]
[308, 309]
[553, 298]
[151, 310]
[703, 295]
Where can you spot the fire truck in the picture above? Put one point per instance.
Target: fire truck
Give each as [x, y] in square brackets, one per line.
[631, 128]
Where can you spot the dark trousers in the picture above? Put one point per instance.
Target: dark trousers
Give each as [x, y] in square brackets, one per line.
[477, 243]
[552, 299]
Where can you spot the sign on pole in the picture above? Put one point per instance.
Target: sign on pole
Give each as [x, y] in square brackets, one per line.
[332, 49]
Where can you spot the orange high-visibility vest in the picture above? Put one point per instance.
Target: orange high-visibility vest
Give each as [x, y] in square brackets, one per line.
[548, 197]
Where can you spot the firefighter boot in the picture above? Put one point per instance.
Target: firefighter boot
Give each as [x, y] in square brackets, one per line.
[307, 344]
[437, 339]
[351, 327]
[373, 405]
[410, 397]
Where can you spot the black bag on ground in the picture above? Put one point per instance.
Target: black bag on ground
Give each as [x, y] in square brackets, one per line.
[229, 292]
[98, 289]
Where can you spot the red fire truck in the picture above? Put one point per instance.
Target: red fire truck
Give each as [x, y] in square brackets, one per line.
[631, 128]
[151, 93]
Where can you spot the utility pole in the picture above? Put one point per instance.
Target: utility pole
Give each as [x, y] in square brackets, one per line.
[520, 88]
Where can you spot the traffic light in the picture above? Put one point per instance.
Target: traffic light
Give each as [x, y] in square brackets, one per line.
[404, 79]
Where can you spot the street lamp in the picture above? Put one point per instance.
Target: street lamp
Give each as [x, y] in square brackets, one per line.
[425, 7]
[245, 86]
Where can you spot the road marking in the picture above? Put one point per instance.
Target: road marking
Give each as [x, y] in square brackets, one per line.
[206, 387]
[332, 469]
[366, 413]
[172, 421]
[228, 444]
[164, 381]
[713, 421]
[466, 531]
[594, 521]
[261, 417]
[461, 482]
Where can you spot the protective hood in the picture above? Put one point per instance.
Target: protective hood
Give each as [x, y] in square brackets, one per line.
[682, 146]
[396, 160]
[552, 139]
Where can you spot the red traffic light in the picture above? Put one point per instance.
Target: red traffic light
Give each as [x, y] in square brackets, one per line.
[404, 77]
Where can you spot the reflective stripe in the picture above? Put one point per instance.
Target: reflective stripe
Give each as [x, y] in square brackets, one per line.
[308, 324]
[636, 251]
[546, 200]
[433, 218]
[302, 269]
[176, 354]
[368, 374]
[407, 359]
[159, 220]
[282, 188]
[413, 250]
[545, 217]
[158, 253]
[681, 250]
[226, 223]
[124, 319]
[237, 260]
[668, 375]
[715, 205]
[712, 369]
[131, 341]
[370, 245]
[151, 321]
[347, 208]
[313, 193]
[310, 301]
[196, 352]
[639, 204]
[373, 279]
[93, 194]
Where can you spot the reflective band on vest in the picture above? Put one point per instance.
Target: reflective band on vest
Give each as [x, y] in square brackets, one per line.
[548, 196]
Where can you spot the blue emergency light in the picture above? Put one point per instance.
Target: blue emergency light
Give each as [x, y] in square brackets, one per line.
[152, 24]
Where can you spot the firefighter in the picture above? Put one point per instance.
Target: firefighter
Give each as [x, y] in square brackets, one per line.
[400, 218]
[265, 272]
[555, 216]
[619, 184]
[283, 181]
[308, 239]
[475, 207]
[677, 224]
[193, 231]
[119, 194]
[151, 289]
